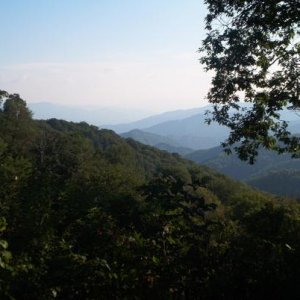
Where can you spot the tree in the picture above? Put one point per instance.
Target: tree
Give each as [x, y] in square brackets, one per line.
[16, 124]
[253, 48]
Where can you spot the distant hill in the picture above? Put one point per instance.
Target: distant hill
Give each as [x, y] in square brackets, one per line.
[91, 115]
[160, 142]
[278, 174]
[156, 119]
[283, 182]
[148, 138]
[234, 167]
[183, 129]
[191, 132]
[180, 131]
[174, 149]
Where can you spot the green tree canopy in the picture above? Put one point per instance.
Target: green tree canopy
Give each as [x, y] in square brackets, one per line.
[253, 48]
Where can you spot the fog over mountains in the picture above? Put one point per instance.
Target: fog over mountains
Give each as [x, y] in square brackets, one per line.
[153, 120]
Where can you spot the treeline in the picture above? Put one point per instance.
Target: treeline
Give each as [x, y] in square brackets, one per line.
[85, 214]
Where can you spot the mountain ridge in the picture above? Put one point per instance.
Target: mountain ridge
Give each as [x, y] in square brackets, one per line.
[156, 119]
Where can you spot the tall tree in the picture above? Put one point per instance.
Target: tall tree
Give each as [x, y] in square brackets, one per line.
[253, 48]
[16, 124]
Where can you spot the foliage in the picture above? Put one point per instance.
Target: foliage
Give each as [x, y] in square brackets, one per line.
[88, 215]
[5, 259]
[272, 172]
[253, 48]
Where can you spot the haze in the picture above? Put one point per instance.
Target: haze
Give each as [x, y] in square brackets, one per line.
[136, 54]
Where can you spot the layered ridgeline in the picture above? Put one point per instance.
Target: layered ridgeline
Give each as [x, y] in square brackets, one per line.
[184, 131]
[190, 133]
[158, 141]
[86, 214]
[187, 129]
[274, 173]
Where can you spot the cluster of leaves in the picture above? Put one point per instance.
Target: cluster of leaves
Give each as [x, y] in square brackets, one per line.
[88, 215]
[253, 48]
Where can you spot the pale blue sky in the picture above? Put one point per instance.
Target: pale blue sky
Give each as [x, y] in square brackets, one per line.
[133, 53]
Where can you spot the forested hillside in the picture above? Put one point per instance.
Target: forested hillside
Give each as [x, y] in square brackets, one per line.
[274, 173]
[157, 141]
[86, 214]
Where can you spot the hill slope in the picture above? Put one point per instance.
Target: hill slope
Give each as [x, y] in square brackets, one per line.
[156, 119]
[191, 132]
[262, 174]
[158, 141]
[86, 214]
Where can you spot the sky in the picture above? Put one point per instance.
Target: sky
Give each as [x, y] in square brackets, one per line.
[133, 54]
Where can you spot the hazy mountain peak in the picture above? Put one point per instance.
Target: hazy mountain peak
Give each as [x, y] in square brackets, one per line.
[157, 119]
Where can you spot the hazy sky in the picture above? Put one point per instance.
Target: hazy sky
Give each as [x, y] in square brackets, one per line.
[136, 53]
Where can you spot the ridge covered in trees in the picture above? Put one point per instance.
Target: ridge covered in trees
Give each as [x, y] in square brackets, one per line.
[273, 173]
[85, 214]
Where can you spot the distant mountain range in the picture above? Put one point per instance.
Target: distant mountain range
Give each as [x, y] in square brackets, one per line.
[91, 115]
[185, 132]
[279, 174]
[178, 131]
[158, 141]
[185, 128]
[191, 132]
[156, 119]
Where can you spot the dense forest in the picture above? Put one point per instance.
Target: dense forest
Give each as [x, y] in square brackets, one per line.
[272, 172]
[86, 214]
